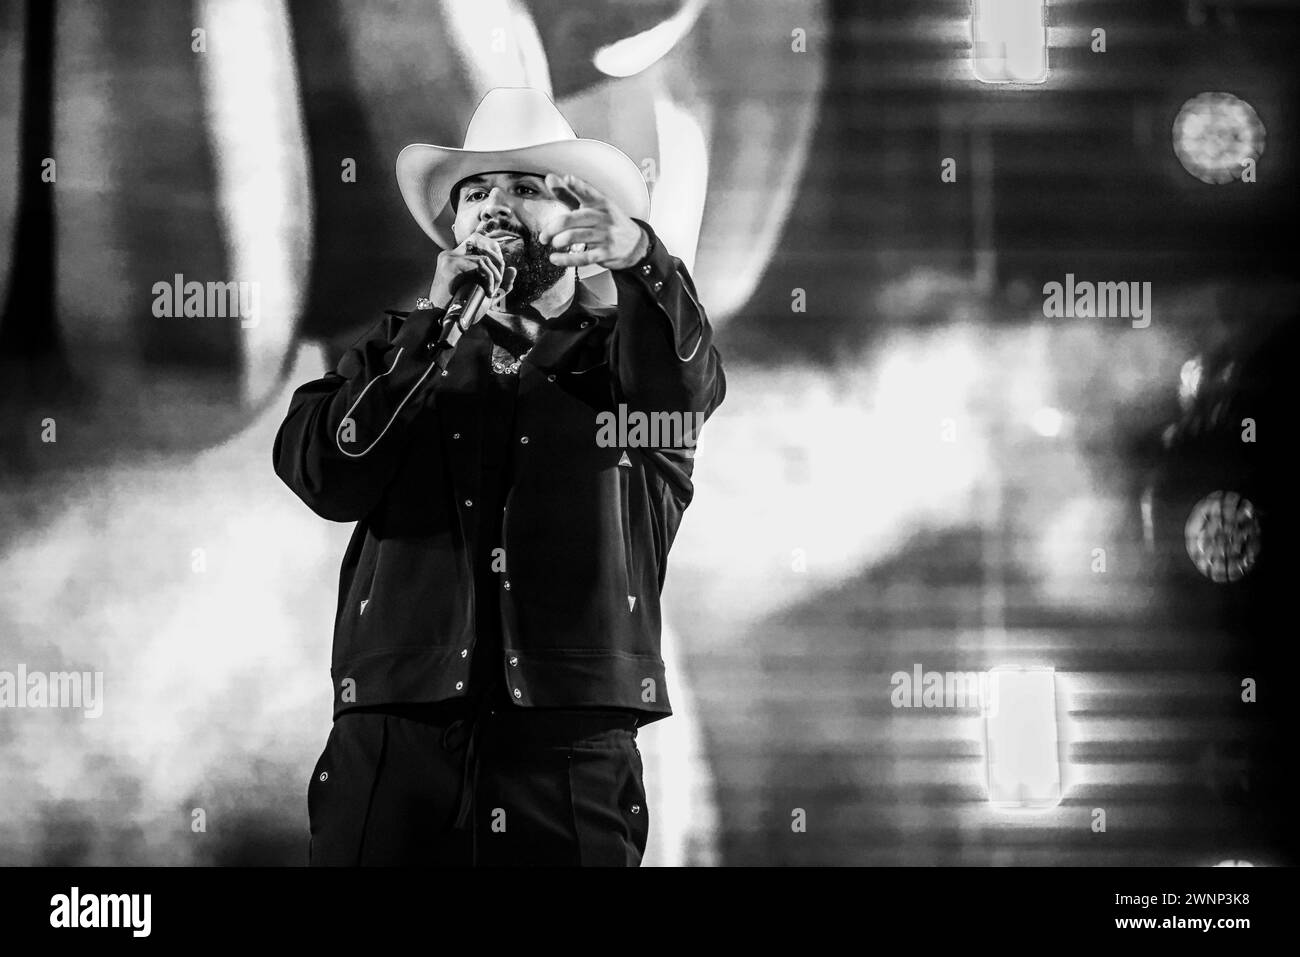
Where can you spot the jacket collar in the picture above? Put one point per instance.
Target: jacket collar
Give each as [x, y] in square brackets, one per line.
[564, 332]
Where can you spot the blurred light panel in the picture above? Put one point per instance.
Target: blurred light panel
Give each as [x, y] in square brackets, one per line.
[254, 115]
[1009, 41]
[1021, 745]
[1216, 136]
[633, 54]
[683, 176]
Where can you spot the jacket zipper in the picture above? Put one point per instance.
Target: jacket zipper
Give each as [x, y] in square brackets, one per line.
[364, 605]
[625, 525]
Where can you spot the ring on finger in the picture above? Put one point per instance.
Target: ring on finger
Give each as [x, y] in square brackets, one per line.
[578, 248]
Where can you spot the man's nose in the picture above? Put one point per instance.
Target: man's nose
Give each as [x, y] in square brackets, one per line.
[495, 205]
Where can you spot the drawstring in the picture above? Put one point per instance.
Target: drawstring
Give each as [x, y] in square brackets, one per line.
[465, 731]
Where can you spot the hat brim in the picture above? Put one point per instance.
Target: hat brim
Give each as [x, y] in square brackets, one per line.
[426, 174]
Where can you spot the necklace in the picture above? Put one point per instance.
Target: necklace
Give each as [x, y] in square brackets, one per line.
[508, 349]
[503, 363]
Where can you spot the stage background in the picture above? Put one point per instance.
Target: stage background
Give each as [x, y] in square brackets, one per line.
[914, 464]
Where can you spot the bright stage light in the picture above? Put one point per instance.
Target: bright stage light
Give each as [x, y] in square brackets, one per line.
[1218, 137]
[1189, 382]
[1223, 536]
[1009, 41]
[1047, 422]
[1021, 746]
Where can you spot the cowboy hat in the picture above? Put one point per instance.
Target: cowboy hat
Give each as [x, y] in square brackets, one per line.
[515, 129]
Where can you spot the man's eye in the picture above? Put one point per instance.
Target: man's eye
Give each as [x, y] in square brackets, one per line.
[474, 193]
[528, 189]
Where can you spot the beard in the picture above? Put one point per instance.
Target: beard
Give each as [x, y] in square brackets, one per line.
[534, 271]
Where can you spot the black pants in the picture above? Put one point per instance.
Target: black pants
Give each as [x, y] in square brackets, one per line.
[506, 786]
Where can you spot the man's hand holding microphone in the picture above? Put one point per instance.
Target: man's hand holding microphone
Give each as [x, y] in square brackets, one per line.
[466, 277]
[480, 254]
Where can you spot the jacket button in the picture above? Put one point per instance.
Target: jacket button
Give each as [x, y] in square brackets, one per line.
[460, 685]
[518, 693]
[523, 440]
[513, 661]
[444, 371]
[551, 377]
[469, 503]
[636, 808]
[506, 585]
[657, 286]
[464, 652]
[455, 435]
[646, 269]
[584, 325]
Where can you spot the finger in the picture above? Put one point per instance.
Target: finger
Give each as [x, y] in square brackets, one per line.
[560, 190]
[578, 217]
[507, 281]
[484, 267]
[475, 249]
[584, 258]
[588, 194]
[586, 234]
[486, 246]
[490, 272]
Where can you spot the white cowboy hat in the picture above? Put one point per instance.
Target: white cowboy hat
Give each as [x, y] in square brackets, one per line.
[515, 129]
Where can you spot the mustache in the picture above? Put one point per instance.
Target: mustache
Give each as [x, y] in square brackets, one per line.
[486, 228]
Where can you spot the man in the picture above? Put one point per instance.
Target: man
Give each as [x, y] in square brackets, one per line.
[496, 641]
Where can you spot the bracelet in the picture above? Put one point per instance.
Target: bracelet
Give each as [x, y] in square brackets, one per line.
[423, 303]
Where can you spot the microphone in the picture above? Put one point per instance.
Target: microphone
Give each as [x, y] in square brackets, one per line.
[468, 303]
[467, 298]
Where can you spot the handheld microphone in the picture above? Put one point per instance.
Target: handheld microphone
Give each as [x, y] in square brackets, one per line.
[468, 303]
[467, 299]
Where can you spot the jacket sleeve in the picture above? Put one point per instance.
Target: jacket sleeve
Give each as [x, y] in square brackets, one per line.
[661, 350]
[343, 437]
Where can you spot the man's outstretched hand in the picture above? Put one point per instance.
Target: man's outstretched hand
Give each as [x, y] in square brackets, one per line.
[612, 239]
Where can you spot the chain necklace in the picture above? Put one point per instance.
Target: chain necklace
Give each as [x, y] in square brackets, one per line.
[503, 363]
[506, 349]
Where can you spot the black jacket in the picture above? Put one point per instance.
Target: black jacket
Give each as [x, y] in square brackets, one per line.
[392, 443]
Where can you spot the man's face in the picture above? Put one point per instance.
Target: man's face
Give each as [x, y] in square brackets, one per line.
[512, 208]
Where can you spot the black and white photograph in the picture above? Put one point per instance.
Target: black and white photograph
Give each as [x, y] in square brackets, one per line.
[694, 434]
